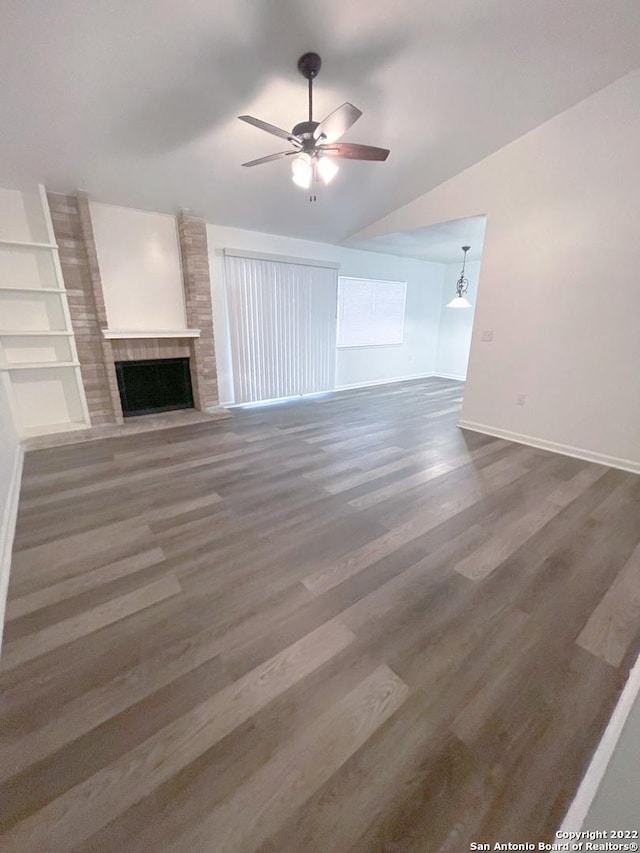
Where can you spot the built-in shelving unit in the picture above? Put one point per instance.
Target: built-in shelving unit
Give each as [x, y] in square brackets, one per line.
[39, 364]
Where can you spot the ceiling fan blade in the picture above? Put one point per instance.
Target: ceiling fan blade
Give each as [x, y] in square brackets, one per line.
[269, 158]
[353, 151]
[270, 128]
[337, 123]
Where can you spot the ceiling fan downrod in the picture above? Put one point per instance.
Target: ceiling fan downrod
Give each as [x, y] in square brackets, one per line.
[309, 66]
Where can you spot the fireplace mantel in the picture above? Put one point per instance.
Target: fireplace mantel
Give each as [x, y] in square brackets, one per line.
[127, 334]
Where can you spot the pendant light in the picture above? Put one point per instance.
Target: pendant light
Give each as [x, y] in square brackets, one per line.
[462, 285]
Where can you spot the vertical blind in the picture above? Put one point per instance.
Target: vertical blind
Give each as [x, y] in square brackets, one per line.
[282, 324]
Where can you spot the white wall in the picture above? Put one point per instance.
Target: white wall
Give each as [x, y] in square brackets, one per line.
[10, 471]
[358, 366]
[139, 257]
[559, 285]
[456, 324]
[21, 216]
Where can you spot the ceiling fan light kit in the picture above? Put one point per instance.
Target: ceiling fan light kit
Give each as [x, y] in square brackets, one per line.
[315, 144]
[302, 170]
[327, 168]
[462, 286]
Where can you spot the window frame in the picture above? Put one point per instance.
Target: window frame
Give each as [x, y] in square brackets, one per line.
[375, 281]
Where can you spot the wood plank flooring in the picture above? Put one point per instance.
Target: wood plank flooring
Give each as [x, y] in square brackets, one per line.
[334, 625]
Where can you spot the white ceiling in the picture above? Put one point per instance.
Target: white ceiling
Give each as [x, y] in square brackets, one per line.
[136, 100]
[441, 243]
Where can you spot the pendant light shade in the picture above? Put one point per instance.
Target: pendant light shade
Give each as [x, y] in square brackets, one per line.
[459, 302]
[462, 286]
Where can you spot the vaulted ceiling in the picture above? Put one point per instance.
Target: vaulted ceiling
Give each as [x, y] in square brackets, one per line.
[136, 100]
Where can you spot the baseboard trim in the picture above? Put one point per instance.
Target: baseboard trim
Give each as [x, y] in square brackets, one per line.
[455, 376]
[385, 381]
[364, 385]
[553, 446]
[7, 531]
[597, 768]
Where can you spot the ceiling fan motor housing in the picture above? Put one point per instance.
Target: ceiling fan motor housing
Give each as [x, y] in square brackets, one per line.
[305, 129]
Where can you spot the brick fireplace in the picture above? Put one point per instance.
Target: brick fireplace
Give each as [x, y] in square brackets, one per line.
[99, 346]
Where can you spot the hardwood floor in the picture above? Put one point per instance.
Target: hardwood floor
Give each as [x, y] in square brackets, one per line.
[335, 625]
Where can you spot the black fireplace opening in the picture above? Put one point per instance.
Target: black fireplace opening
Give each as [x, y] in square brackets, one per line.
[155, 385]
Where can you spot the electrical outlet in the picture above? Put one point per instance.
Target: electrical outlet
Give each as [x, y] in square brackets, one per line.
[521, 399]
[486, 335]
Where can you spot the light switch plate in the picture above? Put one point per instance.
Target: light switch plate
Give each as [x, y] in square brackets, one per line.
[486, 335]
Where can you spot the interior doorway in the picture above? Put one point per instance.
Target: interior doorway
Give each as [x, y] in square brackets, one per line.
[459, 298]
[442, 243]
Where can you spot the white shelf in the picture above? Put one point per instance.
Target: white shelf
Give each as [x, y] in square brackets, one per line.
[49, 429]
[117, 335]
[13, 334]
[26, 245]
[38, 365]
[33, 289]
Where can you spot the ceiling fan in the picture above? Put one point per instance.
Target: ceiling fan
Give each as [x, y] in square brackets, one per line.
[315, 144]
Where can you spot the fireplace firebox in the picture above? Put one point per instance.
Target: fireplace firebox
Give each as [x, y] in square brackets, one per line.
[154, 385]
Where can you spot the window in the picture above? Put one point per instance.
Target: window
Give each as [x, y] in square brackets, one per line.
[370, 312]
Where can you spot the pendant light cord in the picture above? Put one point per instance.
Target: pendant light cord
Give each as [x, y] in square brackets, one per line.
[460, 286]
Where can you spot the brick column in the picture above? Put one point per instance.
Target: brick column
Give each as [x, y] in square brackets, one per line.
[79, 261]
[197, 291]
